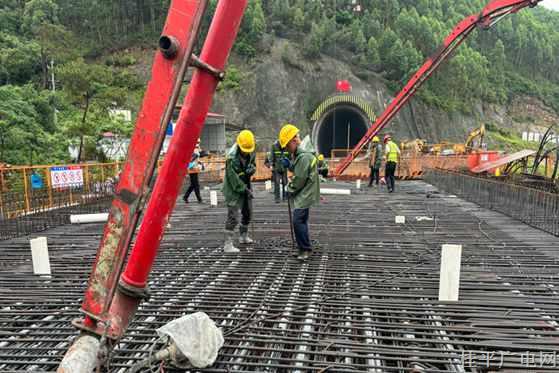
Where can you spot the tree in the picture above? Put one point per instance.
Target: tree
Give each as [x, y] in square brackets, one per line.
[359, 43]
[18, 59]
[253, 25]
[373, 57]
[252, 29]
[25, 120]
[299, 19]
[10, 16]
[40, 20]
[37, 13]
[497, 59]
[395, 61]
[315, 41]
[386, 43]
[371, 26]
[280, 10]
[84, 83]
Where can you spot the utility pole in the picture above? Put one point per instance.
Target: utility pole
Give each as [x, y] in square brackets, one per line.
[53, 87]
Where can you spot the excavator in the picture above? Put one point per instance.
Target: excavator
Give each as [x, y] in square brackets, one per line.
[118, 285]
[421, 146]
[413, 146]
[468, 146]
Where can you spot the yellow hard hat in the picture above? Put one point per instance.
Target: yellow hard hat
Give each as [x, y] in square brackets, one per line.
[376, 139]
[287, 133]
[321, 157]
[246, 142]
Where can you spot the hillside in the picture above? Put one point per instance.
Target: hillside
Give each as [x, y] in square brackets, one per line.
[287, 58]
[284, 86]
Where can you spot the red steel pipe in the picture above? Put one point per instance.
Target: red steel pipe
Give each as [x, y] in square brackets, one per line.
[215, 52]
[182, 25]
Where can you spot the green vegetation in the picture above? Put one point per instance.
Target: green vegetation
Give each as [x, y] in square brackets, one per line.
[506, 140]
[88, 41]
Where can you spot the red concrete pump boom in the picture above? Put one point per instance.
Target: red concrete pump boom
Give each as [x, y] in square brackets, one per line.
[116, 286]
[491, 14]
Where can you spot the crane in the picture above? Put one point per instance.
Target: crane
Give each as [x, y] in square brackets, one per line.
[494, 12]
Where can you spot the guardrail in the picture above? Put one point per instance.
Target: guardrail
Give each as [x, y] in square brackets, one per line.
[22, 214]
[534, 207]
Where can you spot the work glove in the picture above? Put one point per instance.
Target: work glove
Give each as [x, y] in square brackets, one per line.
[249, 194]
[286, 163]
[251, 170]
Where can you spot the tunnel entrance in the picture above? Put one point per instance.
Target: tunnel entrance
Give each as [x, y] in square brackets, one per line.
[340, 127]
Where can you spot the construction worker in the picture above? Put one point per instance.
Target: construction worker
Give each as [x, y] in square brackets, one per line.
[322, 166]
[375, 161]
[194, 168]
[279, 173]
[392, 157]
[240, 165]
[304, 187]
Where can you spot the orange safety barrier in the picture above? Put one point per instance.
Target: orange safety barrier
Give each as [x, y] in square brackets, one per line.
[410, 167]
[17, 179]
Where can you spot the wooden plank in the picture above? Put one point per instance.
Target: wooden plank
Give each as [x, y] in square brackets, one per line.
[449, 284]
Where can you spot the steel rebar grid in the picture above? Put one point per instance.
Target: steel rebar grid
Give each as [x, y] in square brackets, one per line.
[366, 301]
[532, 206]
[52, 208]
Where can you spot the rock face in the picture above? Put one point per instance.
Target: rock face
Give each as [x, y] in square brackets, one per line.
[281, 86]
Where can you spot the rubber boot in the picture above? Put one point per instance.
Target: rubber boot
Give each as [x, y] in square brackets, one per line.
[244, 238]
[228, 246]
[304, 255]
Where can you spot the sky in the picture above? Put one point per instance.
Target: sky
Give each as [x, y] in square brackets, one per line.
[551, 4]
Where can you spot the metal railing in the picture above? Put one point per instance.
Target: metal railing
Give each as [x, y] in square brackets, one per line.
[24, 213]
[534, 207]
[17, 180]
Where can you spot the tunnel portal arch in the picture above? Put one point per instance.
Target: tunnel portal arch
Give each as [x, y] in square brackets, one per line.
[340, 122]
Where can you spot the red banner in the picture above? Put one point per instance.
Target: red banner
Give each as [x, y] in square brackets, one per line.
[343, 86]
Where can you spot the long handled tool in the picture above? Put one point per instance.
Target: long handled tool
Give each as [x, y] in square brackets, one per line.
[291, 223]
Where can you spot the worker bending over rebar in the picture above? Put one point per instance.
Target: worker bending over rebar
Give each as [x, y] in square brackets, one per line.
[304, 187]
[240, 165]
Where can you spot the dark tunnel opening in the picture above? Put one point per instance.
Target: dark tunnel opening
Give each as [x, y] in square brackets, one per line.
[340, 128]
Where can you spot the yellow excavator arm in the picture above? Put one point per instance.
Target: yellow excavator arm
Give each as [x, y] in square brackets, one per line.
[478, 132]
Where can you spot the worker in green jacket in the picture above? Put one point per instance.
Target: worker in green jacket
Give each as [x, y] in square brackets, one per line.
[304, 187]
[240, 165]
[274, 160]
[322, 166]
[375, 161]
